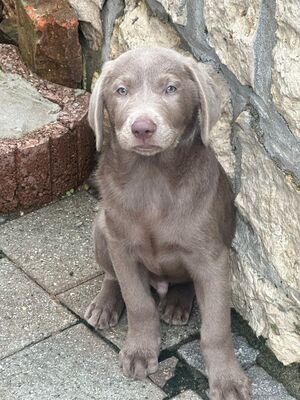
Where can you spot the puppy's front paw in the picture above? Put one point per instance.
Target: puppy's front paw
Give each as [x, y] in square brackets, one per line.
[104, 311]
[230, 383]
[137, 362]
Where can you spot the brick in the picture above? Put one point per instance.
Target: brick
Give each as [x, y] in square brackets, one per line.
[49, 41]
[86, 149]
[63, 150]
[8, 179]
[33, 167]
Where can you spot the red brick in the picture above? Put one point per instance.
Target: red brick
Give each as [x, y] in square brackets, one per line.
[63, 149]
[8, 178]
[49, 41]
[33, 171]
[86, 149]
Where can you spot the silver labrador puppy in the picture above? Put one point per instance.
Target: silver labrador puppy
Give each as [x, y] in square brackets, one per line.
[168, 218]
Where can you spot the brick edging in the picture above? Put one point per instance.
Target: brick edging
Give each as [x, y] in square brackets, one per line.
[46, 162]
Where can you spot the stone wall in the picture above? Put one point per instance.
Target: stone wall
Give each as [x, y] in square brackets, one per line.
[254, 45]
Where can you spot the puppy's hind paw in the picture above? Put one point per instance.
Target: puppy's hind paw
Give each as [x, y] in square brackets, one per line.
[230, 385]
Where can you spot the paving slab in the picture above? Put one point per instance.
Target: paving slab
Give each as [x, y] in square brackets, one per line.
[246, 354]
[54, 244]
[166, 371]
[75, 364]
[264, 387]
[28, 314]
[188, 395]
[78, 299]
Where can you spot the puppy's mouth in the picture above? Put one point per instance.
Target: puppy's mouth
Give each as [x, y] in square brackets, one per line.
[147, 149]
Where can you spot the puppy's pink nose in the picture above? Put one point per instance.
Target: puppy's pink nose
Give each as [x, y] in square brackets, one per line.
[143, 128]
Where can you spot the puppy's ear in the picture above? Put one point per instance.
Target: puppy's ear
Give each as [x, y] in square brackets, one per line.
[209, 100]
[96, 105]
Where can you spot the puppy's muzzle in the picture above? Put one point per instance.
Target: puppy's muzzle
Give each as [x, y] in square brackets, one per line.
[143, 128]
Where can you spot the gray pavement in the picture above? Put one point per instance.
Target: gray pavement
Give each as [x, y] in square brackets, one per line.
[48, 276]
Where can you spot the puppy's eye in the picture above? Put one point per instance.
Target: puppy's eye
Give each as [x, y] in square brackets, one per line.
[171, 89]
[122, 91]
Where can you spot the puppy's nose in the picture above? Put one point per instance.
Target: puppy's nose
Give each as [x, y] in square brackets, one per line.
[143, 128]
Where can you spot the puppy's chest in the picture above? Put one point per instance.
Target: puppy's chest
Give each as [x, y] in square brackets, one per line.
[154, 237]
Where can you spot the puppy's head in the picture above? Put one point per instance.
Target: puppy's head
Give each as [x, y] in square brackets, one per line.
[153, 97]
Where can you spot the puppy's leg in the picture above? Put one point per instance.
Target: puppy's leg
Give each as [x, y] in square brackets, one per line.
[105, 309]
[175, 307]
[226, 378]
[139, 356]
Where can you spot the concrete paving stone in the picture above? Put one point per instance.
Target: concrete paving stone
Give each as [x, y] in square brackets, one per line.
[22, 99]
[78, 299]
[264, 387]
[246, 354]
[28, 314]
[54, 244]
[166, 371]
[74, 364]
[188, 395]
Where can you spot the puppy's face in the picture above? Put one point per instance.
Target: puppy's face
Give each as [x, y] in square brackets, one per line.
[153, 97]
[151, 100]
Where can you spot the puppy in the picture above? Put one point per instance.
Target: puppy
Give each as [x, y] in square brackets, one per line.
[168, 218]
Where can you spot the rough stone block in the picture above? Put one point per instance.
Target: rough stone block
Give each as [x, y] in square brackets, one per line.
[9, 9]
[286, 72]
[219, 137]
[177, 9]
[137, 28]
[89, 16]
[271, 204]
[266, 273]
[232, 27]
[28, 314]
[54, 244]
[49, 42]
[8, 31]
[75, 364]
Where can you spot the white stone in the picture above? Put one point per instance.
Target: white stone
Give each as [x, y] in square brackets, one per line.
[88, 13]
[137, 28]
[220, 134]
[271, 206]
[286, 58]
[232, 26]
[266, 308]
[177, 9]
